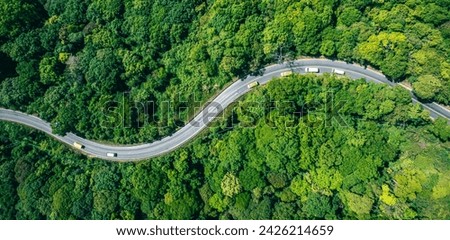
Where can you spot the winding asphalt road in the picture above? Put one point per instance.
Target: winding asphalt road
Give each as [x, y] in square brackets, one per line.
[223, 100]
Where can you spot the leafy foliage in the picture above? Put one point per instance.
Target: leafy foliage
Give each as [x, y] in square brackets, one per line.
[106, 69]
[314, 164]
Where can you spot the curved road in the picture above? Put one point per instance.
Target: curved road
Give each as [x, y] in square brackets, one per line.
[223, 100]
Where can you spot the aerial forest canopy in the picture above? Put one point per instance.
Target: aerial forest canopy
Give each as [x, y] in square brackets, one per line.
[383, 159]
[372, 155]
[69, 61]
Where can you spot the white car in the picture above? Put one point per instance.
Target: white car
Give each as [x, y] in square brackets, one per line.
[312, 70]
[338, 71]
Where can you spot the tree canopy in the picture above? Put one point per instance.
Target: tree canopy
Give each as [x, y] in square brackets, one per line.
[304, 147]
[283, 165]
[110, 61]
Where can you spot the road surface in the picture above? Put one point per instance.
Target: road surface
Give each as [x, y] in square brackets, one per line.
[223, 100]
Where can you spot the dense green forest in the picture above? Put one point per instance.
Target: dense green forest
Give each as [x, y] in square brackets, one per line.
[372, 155]
[304, 147]
[70, 61]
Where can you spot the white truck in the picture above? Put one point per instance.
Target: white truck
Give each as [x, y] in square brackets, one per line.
[338, 71]
[111, 154]
[312, 70]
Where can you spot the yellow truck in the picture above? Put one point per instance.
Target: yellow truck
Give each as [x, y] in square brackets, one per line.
[253, 84]
[285, 74]
[78, 145]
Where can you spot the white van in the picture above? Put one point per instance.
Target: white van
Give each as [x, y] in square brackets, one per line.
[111, 154]
[338, 71]
[312, 70]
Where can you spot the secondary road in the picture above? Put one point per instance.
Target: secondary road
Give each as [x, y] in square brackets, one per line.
[196, 125]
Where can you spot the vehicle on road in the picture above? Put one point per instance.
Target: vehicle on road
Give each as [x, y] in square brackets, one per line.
[312, 70]
[253, 84]
[111, 154]
[170, 142]
[285, 74]
[338, 71]
[78, 145]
